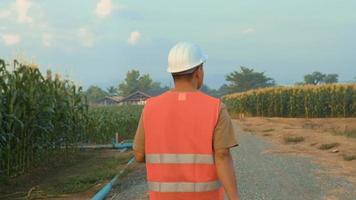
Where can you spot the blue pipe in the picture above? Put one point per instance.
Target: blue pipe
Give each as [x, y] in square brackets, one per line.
[107, 188]
[122, 145]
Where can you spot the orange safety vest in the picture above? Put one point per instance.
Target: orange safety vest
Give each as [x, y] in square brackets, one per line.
[179, 130]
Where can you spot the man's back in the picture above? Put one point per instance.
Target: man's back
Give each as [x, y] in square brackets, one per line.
[179, 128]
[191, 115]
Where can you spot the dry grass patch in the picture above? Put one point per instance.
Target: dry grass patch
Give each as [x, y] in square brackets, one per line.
[349, 157]
[293, 139]
[328, 146]
[268, 130]
[347, 133]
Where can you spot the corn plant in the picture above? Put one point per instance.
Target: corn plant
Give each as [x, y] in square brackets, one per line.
[40, 117]
[43, 117]
[106, 121]
[329, 100]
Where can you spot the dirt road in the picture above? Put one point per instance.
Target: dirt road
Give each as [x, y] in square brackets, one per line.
[262, 176]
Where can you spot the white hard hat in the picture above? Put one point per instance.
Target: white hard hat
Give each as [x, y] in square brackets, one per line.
[184, 56]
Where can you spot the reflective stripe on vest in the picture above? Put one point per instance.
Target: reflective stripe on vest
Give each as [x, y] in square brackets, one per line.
[180, 158]
[183, 186]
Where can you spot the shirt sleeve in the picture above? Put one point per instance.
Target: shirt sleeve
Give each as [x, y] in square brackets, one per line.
[139, 139]
[224, 133]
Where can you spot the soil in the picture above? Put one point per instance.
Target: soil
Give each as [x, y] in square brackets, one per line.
[45, 182]
[316, 132]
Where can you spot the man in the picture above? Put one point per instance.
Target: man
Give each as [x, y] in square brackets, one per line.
[184, 136]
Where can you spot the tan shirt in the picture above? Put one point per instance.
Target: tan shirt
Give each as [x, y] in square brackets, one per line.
[224, 133]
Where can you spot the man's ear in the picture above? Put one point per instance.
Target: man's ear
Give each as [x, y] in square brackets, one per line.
[200, 71]
[196, 74]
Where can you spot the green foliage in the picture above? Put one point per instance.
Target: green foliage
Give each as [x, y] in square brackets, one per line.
[43, 117]
[328, 146]
[94, 93]
[347, 133]
[106, 121]
[247, 79]
[212, 92]
[40, 117]
[293, 139]
[349, 157]
[317, 78]
[332, 100]
[112, 91]
[331, 78]
[134, 81]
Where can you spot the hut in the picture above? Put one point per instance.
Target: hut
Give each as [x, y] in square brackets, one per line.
[135, 98]
[107, 101]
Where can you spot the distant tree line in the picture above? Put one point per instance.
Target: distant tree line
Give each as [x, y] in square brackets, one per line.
[317, 78]
[240, 80]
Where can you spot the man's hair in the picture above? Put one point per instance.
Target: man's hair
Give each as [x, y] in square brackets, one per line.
[186, 75]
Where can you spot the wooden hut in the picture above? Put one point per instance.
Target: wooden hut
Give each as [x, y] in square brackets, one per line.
[135, 98]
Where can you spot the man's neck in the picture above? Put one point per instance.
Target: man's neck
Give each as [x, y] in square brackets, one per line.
[184, 89]
[184, 86]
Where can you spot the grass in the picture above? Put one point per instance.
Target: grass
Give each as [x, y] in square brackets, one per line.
[349, 157]
[268, 130]
[101, 169]
[293, 139]
[86, 170]
[328, 146]
[348, 133]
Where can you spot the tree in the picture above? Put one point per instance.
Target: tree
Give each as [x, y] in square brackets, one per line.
[331, 78]
[316, 78]
[224, 89]
[157, 90]
[247, 79]
[212, 92]
[134, 81]
[112, 91]
[95, 93]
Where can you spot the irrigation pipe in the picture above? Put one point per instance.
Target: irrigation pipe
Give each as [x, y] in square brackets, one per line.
[107, 188]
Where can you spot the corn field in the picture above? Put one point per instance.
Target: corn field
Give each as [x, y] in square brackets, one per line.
[40, 117]
[309, 101]
[43, 117]
[106, 121]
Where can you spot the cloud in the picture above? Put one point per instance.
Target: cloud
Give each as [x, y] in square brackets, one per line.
[19, 8]
[46, 39]
[22, 7]
[86, 37]
[134, 38]
[10, 39]
[248, 30]
[5, 14]
[104, 8]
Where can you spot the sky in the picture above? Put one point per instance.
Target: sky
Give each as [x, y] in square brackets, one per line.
[95, 42]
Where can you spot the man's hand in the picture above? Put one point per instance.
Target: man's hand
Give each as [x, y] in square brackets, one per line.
[139, 156]
[226, 173]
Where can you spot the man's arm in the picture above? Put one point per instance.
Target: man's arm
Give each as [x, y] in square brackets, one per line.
[139, 142]
[226, 173]
[224, 139]
[139, 156]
